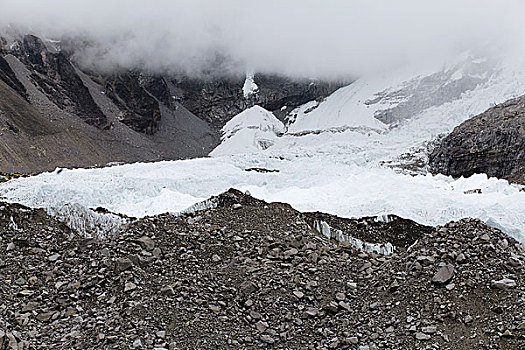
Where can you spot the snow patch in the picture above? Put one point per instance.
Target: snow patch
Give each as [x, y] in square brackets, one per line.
[249, 88]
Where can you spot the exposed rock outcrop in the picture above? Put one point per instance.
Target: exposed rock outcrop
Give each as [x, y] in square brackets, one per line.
[141, 111]
[492, 143]
[53, 73]
[39, 136]
[9, 77]
[217, 99]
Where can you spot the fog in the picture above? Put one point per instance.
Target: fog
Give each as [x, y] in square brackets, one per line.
[308, 38]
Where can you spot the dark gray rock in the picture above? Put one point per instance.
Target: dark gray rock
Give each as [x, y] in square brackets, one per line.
[141, 111]
[444, 274]
[216, 99]
[492, 143]
[9, 77]
[57, 78]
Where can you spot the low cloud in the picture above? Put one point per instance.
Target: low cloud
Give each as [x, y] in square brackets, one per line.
[308, 38]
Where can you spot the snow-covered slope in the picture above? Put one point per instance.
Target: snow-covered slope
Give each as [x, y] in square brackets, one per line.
[386, 100]
[343, 109]
[335, 157]
[250, 131]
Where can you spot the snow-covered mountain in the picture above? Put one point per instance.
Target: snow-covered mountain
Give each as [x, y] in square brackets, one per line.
[362, 151]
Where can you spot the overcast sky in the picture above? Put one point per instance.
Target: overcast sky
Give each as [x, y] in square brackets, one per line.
[313, 38]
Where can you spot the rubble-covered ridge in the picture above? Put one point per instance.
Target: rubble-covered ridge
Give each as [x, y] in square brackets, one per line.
[245, 274]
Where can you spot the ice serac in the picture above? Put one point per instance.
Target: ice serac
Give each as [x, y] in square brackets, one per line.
[338, 170]
[342, 109]
[250, 131]
[379, 248]
[492, 143]
[87, 222]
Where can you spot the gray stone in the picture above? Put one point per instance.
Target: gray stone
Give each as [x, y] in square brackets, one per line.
[422, 336]
[267, 339]
[352, 340]
[146, 242]
[312, 312]
[344, 305]
[444, 274]
[129, 286]
[298, 294]
[123, 264]
[54, 257]
[261, 326]
[44, 316]
[215, 308]
[504, 284]
[255, 315]
[429, 329]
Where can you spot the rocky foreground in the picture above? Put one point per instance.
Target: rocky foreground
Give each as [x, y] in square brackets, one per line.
[249, 275]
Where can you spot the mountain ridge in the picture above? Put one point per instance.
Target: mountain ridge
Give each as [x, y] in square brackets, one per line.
[145, 117]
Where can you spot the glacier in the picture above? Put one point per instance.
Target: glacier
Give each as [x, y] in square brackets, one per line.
[251, 130]
[349, 155]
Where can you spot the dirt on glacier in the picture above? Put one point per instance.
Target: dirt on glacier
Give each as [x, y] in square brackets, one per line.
[248, 274]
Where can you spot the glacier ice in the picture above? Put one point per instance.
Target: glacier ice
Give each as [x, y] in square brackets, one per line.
[380, 248]
[338, 169]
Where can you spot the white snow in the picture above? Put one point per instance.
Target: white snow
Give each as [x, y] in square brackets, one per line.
[309, 184]
[334, 167]
[250, 131]
[344, 108]
[249, 88]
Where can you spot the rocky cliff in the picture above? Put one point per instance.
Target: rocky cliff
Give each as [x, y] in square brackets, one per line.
[492, 143]
[144, 116]
[217, 99]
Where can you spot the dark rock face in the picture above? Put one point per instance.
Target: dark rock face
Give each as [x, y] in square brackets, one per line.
[56, 77]
[213, 98]
[9, 77]
[141, 110]
[276, 92]
[492, 143]
[217, 99]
